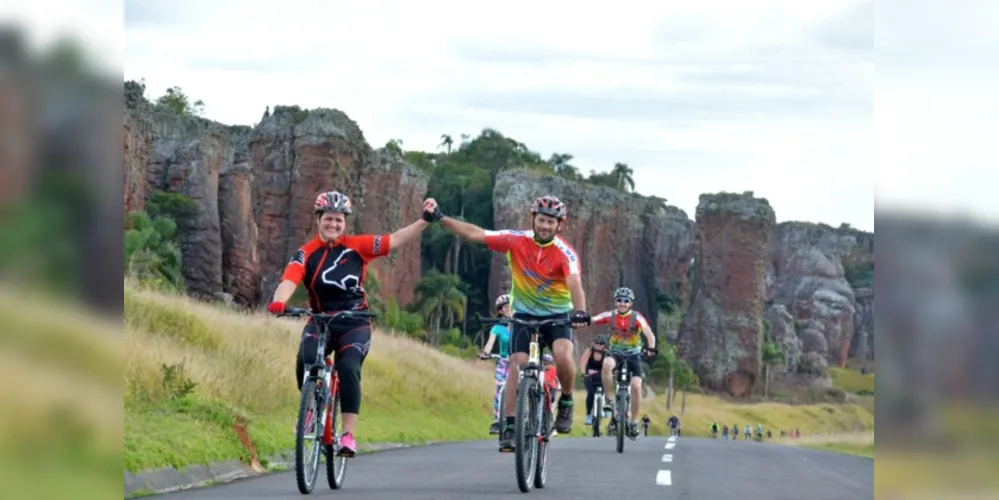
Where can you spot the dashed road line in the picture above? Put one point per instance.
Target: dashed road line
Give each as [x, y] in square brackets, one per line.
[664, 478]
[670, 446]
[667, 458]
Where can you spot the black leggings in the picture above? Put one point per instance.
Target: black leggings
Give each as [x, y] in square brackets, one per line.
[591, 382]
[351, 341]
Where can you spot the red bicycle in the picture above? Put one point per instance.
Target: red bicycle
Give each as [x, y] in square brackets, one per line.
[320, 389]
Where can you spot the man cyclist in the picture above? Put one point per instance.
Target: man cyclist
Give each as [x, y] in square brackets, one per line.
[546, 284]
[591, 363]
[674, 423]
[333, 265]
[645, 424]
[749, 432]
[627, 327]
[502, 333]
[759, 432]
[714, 429]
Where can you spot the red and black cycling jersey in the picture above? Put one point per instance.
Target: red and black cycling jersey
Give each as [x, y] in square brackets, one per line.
[333, 272]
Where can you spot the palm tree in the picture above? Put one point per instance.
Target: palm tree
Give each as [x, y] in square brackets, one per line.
[440, 298]
[446, 142]
[772, 355]
[622, 174]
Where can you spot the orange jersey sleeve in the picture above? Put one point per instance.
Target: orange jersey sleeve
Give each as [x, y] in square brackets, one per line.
[369, 246]
[502, 241]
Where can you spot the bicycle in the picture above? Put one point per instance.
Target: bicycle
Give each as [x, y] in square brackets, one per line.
[598, 407]
[502, 387]
[622, 396]
[320, 389]
[533, 423]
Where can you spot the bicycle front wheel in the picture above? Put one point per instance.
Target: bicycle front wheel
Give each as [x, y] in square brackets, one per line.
[307, 438]
[622, 420]
[525, 438]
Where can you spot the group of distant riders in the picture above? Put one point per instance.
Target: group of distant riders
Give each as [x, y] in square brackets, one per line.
[748, 433]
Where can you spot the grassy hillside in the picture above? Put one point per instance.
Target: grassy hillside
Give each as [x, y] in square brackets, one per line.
[243, 366]
[60, 390]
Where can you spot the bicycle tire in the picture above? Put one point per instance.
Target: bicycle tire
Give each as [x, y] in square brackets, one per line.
[598, 411]
[525, 442]
[336, 466]
[622, 421]
[541, 469]
[307, 480]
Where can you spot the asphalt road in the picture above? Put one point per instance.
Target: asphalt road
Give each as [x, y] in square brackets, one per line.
[652, 467]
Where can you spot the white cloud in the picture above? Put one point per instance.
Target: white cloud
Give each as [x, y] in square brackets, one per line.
[748, 95]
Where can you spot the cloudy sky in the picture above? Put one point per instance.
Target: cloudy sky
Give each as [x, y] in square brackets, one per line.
[773, 96]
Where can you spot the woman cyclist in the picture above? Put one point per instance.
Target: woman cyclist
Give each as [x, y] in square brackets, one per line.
[332, 266]
[501, 332]
[590, 364]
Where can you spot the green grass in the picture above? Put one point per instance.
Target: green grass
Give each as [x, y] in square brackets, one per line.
[230, 367]
[852, 381]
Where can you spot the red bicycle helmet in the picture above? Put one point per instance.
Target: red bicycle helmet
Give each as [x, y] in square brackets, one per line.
[332, 201]
[549, 205]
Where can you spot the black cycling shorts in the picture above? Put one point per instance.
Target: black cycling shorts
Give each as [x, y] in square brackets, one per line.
[633, 362]
[520, 340]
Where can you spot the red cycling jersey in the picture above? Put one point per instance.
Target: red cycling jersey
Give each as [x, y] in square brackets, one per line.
[334, 272]
[622, 337]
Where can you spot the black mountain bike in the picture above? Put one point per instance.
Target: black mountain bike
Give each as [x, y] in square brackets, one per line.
[534, 416]
[622, 396]
[320, 389]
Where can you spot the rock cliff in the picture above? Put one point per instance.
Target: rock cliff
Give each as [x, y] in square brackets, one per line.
[808, 276]
[622, 239]
[722, 331]
[255, 187]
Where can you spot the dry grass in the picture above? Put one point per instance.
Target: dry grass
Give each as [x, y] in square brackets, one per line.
[854, 443]
[243, 365]
[60, 428]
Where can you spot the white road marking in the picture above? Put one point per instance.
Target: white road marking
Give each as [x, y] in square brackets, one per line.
[667, 458]
[663, 478]
[672, 438]
[669, 446]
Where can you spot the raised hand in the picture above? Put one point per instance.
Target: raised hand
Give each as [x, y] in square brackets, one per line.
[431, 212]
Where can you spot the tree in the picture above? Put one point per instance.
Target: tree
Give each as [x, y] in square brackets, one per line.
[440, 298]
[152, 255]
[177, 100]
[622, 175]
[446, 142]
[772, 355]
[559, 162]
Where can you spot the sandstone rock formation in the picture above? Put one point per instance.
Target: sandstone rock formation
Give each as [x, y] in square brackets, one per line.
[862, 345]
[622, 239]
[296, 154]
[783, 334]
[722, 331]
[808, 276]
[255, 188]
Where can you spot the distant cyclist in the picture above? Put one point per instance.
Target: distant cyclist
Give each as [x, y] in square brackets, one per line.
[590, 364]
[645, 424]
[714, 430]
[501, 333]
[749, 432]
[332, 265]
[725, 432]
[759, 432]
[627, 328]
[735, 432]
[546, 284]
[674, 423]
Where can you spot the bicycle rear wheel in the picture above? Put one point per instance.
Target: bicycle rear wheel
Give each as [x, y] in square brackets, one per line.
[336, 465]
[307, 428]
[525, 441]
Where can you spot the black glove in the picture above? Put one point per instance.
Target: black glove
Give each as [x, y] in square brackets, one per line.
[650, 354]
[434, 216]
[580, 316]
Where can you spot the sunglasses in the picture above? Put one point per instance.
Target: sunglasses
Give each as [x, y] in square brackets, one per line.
[623, 301]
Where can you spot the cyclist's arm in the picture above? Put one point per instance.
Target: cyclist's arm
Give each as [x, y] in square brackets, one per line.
[407, 234]
[466, 230]
[489, 343]
[582, 361]
[650, 336]
[293, 274]
[575, 283]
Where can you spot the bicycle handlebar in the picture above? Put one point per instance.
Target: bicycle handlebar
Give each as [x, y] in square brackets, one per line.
[296, 312]
[526, 322]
